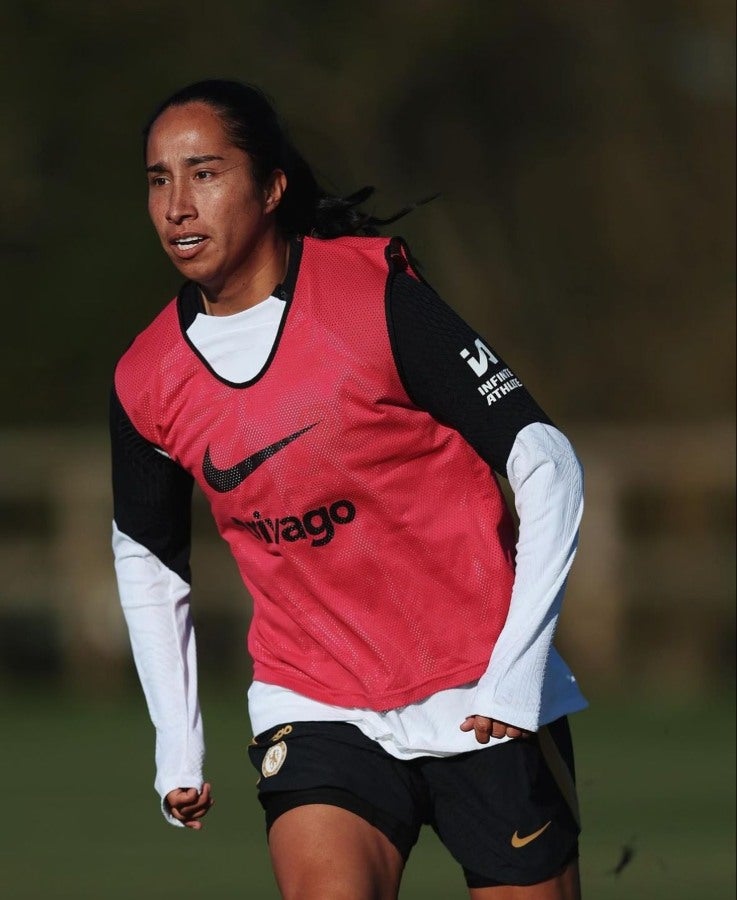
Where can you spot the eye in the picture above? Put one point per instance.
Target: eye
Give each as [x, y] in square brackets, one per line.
[157, 181]
[203, 174]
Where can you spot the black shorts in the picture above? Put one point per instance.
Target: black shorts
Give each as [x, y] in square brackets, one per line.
[507, 814]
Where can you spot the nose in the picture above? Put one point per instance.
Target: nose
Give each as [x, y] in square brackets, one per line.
[181, 203]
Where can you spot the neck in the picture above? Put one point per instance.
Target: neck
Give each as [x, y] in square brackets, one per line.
[265, 268]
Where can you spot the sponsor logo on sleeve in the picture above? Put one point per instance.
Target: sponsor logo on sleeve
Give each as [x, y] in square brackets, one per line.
[495, 386]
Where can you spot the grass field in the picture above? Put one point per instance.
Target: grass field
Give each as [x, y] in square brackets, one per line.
[80, 818]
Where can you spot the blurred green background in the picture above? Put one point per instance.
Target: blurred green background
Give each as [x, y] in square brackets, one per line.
[584, 157]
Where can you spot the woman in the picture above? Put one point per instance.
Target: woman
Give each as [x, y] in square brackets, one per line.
[344, 423]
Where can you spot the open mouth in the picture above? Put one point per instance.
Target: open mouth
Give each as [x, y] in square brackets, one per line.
[187, 242]
[187, 245]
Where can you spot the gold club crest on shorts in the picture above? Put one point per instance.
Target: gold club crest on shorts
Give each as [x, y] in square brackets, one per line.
[274, 759]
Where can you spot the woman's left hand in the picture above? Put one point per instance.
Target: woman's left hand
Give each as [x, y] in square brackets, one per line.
[491, 728]
[188, 805]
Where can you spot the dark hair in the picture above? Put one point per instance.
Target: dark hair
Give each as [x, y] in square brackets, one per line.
[251, 123]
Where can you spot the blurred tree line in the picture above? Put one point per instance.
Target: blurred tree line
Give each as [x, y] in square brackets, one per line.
[583, 153]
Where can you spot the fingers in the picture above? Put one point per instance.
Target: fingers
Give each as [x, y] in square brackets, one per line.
[479, 724]
[188, 805]
[512, 732]
[486, 729]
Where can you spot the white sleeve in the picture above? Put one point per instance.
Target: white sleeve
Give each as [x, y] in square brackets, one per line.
[155, 603]
[547, 481]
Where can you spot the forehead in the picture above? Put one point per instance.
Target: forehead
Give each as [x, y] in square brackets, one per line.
[194, 129]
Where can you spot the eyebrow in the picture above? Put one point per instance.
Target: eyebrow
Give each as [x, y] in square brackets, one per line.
[189, 161]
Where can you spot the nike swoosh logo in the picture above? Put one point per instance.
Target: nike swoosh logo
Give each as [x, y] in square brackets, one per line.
[518, 841]
[224, 480]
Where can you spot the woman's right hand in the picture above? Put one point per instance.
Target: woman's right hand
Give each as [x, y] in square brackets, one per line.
[188, 805]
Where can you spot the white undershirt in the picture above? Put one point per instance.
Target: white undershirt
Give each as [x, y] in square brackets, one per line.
[237, 346]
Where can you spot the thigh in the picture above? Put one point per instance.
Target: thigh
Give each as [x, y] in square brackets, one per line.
[323, 852]
[507, 815]
[333, 769]
[564, 885]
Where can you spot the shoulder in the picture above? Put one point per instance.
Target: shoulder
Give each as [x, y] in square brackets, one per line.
[139, 373]
[349, 249]
[146, 348]
[355, 259]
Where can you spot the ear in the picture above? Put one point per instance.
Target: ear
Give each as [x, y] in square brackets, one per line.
[274, 190]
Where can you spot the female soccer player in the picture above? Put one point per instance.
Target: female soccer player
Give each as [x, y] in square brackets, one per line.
[345, 426]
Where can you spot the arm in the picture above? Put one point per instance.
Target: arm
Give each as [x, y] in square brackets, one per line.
[547, 481]
[151, 539]
[450, 372]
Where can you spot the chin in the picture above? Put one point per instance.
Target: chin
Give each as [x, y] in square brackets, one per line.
[190, 270]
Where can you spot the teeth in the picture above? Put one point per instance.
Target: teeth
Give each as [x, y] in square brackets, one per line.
[188, 242]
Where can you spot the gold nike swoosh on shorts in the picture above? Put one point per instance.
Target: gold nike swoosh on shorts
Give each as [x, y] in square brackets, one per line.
[518, 841]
